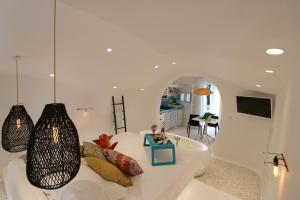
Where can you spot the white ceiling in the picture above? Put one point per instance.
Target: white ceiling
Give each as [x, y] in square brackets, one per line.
[189, 80]
[225, 38]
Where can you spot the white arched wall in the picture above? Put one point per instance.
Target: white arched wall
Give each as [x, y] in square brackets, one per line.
[242, 138]
[285, 139]
[195, 104]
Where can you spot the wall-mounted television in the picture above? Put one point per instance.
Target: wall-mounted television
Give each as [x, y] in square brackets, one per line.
[261, 107]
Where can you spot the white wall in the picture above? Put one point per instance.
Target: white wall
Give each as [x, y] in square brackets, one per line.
[186, 105]
[285, 140]
[35, 93]
[237, 130]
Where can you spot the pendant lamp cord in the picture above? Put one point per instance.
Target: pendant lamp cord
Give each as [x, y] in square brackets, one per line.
[17, 77]
[54, 39]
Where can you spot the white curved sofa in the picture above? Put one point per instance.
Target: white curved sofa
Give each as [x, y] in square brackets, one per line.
[156, 183]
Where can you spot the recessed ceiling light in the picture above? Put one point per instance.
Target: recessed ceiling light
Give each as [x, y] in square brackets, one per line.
[173, 63]
[109, 50]
[258, 86]
[156, 67]
[142, 89]
[115, 87]
[274, 51]
[269, 71]
[51, 75]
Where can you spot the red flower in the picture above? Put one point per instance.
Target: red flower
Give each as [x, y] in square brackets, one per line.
[104, 141]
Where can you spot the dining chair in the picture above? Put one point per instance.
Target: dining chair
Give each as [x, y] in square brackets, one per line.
[195, 123]
[214, 124]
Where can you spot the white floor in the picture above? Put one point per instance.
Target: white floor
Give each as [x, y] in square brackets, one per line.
[232, 179]
[222, 176]
[198, 190]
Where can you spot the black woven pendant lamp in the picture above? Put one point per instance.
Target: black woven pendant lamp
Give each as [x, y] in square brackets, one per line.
[17, 126]
[53, 155]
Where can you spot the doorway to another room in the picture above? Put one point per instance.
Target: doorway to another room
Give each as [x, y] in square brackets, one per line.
[191, 107]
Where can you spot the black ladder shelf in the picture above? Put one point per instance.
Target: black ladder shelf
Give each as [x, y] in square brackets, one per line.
[115, 116]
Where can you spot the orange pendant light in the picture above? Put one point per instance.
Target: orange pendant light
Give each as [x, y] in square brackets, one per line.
[202, 92]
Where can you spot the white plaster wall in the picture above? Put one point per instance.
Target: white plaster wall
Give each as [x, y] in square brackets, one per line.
[35, 93]
[242, 138]
[285, 140]
[186, 105]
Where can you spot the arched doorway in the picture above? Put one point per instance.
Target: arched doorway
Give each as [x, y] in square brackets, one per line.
[186, 113]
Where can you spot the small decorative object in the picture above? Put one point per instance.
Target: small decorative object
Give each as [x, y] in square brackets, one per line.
[157, 137]
[17, 126]
[160, 138]
[162, 133]
[177, 140]
[154, 128]
[53, 153]
[207, 115]
[104, 142]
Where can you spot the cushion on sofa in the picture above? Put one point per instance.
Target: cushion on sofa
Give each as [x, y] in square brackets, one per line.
[92, 150]
[108, 171]
[125, 163]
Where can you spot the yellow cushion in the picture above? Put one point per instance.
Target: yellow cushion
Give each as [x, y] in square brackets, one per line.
[108, 171]
[81, 151]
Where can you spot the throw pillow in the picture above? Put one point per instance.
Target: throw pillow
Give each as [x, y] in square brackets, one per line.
[125, 163]
[81, 150]
[92, 150]
[108, 171]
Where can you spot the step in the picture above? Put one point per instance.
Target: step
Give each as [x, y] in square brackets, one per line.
[197, 190]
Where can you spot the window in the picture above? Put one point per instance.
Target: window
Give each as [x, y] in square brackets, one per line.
[185, 97]
[188, 97]
[182, 96]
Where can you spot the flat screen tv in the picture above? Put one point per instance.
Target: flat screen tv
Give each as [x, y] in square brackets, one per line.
[254, 106]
